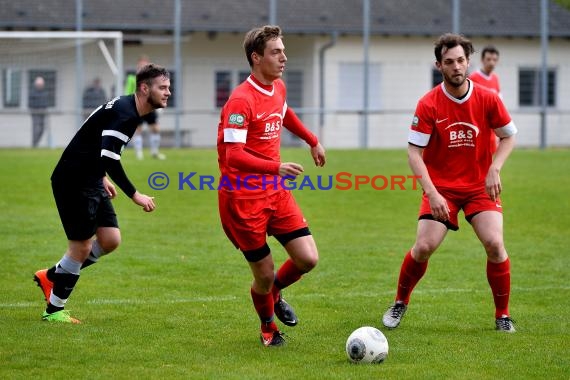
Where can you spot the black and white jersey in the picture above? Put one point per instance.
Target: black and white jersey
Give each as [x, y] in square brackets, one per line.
[96, 148]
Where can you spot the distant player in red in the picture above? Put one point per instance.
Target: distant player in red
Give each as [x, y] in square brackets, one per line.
[253, 202]
[486, 77]
[448, 149]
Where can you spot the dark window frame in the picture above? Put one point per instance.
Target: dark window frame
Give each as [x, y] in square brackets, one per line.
[530, 90]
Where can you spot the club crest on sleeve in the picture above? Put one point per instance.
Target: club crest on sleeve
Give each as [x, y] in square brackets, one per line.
[415, 121]
[236, 119]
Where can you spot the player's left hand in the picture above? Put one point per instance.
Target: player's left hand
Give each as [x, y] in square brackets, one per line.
[318, 153]
[146, 202]
[109, 188]
[493, 184]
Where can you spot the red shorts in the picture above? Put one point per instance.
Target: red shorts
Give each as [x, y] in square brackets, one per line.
[471, 201]
[247, 222]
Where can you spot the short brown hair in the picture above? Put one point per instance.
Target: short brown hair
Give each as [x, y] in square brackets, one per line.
[491, 49]
[148, 72]
[449, 41]
[256, 39]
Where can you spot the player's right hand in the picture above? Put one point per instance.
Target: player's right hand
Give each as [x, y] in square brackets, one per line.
[109, 188]
[146, 202]
[290, 169]
[318, 153]
[439, 208]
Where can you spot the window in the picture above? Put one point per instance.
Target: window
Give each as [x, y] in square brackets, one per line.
[242, 76]
[49, 79]
[350, 96]
[530, 93]
[11, 87]
[223, 87]
[436, 77]
[294, 81]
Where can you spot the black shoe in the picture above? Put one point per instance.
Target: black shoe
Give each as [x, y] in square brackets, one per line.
[272, 339]
[285, 312]
[393, 316]
[505, 324]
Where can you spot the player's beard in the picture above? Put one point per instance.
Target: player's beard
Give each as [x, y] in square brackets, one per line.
[455, 81]
[154, 102]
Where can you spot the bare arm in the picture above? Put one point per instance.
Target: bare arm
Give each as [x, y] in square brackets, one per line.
[493, 179]
[318, 153]
[109, 188]
[438, 204]
[146, 202]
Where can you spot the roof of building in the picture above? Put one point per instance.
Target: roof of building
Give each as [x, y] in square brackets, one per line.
[513, 18]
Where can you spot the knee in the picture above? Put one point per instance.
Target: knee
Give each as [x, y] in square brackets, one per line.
[495, 249]
[109, 243]
[265, 281]
[422, 250]
[308, 263]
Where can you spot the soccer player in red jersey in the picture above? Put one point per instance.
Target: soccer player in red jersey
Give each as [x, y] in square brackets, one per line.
[448, 150]
[486, 77]
[253, 202]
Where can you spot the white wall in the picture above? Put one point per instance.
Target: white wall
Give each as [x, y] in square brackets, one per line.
[405, 62]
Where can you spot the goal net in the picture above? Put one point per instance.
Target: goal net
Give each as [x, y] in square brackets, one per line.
[78, 69]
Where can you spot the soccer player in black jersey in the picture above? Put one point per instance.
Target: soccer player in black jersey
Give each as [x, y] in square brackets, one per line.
[83, 193]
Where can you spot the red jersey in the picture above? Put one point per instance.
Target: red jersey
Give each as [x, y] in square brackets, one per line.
[456, 132]
[489, 81]
[253, 115]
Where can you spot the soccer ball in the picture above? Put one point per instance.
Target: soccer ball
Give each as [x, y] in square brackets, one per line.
[367, 345]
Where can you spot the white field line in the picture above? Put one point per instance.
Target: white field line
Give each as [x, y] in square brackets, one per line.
[227, 298]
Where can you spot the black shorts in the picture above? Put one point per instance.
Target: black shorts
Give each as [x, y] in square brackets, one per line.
[83, 210]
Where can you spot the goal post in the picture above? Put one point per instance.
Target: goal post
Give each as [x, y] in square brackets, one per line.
[69, 62]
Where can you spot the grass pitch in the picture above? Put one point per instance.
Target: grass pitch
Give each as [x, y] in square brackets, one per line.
[173, 300]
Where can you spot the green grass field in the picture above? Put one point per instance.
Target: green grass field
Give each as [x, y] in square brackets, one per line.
[173, 300]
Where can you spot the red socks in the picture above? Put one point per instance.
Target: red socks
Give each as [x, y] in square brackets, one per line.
[263, 304]
[410, 273]
[499, 277]
[286, 275]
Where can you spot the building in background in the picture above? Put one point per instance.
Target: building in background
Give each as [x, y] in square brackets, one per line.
[324, 39]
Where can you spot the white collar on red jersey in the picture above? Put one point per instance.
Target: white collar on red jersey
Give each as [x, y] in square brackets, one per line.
[463, 99]
[252, 81]
[484, 75]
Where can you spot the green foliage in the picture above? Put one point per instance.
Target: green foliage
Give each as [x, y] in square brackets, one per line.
[173, 301]
[564, 3]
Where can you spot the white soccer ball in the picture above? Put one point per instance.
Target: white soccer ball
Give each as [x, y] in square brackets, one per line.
[367, 345]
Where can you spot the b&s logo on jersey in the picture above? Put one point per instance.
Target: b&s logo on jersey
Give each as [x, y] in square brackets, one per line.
[236, 119]
[462, 134]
